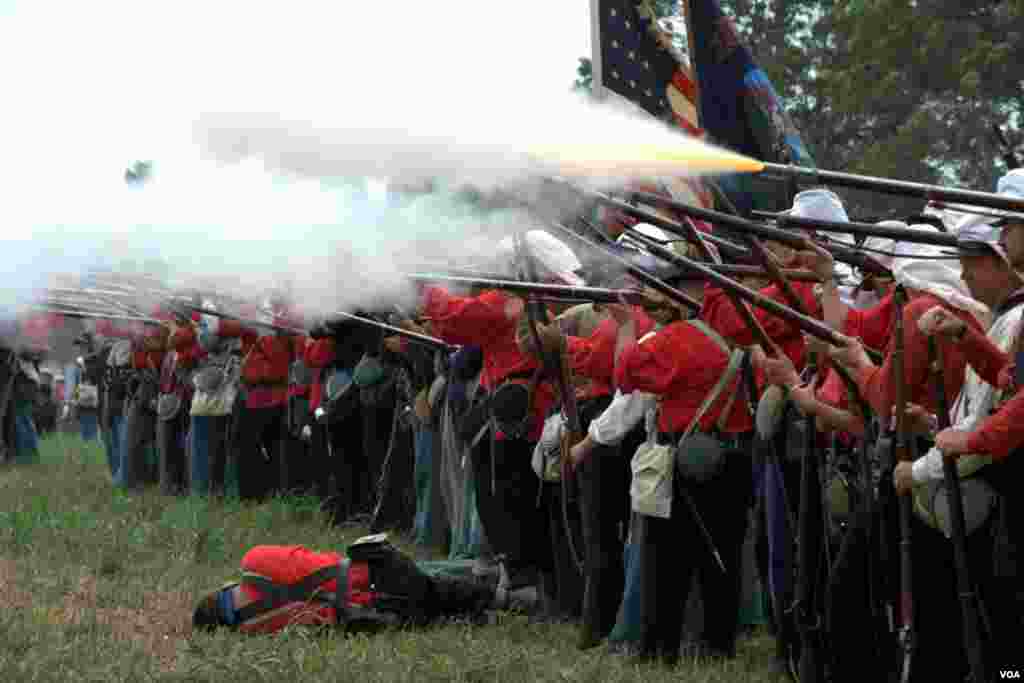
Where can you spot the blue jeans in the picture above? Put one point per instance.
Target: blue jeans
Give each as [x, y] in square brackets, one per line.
[628, 622]
[199, 465]
[88, 423]
[26, 440]
[112, 439]
[423, 478]
[119, 436]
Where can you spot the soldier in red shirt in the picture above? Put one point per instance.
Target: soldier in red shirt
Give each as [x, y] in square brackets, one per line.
[260, 420]
[697, 376]
[370, 587]
[603, 474]
[507, 488]
[332, 353]
[180, 358]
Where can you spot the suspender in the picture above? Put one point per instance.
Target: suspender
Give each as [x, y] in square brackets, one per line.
[275, 594]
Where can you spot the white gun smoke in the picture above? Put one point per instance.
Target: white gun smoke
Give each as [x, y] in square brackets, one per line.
[264, 121]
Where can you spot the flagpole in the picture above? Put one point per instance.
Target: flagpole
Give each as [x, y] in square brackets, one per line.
[690, 53]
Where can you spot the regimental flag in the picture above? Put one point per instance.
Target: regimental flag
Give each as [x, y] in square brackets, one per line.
[739, 108]
[633, 57]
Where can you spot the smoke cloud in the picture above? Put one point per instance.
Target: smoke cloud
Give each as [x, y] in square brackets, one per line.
[265, 120]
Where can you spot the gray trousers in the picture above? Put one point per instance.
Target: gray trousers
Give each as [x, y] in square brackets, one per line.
[139, 439]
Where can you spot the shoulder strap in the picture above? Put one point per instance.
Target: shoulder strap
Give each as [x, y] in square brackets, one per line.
[277, 594]
[341, 592]
[735, 360]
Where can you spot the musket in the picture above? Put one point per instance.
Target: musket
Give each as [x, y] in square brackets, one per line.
[74, 312]
[532, 289]
[246, 322]
[813, 327]
[640, 274]
[969, 611]
[806, 609]
[432, 342]
[940, 239]
[742, 225]
[425, 340]
[900, 187]
[570, 410]
[901, 448]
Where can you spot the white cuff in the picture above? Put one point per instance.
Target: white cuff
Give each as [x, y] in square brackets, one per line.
[929, 468]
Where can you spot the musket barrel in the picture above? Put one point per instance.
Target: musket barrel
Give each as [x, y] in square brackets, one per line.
[426, 340]
[596, 294]
[813, 327]
[900, 187]
[637, 272]
[941, 239]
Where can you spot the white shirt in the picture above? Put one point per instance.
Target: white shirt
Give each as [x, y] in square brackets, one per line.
[974, 403]
[624, 413]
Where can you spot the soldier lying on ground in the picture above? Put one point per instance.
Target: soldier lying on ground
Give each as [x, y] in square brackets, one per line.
[379, 586]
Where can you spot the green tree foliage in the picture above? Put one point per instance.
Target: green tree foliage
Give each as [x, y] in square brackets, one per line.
[901, 88]
[908, 89]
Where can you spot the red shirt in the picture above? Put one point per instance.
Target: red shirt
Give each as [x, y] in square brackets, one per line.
[489, 321]
[720, 314]
[185, 342]
[873, 326]
[681, 364]
[594, 357]
[266, 364]
[1000, 433]
[318, 355]
[289, 564]
[876, 383]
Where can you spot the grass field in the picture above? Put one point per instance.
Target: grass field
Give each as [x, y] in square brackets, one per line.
[98, 585]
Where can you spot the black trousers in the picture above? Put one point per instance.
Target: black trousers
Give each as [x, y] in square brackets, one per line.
[257, 442]
[219, 434]
[940, 653]
[507, 497]
[139, 435]
[1006, 608]
[417, 598]
[395, 504]
[603, 482]
[170, 446]
[674, 550]
[338, 454]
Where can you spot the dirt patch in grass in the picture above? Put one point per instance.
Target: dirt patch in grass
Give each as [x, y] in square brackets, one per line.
[160, 628]
[10, 594]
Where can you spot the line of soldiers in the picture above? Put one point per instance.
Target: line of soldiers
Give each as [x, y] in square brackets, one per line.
[690, 431]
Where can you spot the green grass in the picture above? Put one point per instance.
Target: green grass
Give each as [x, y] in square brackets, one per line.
[98, 585]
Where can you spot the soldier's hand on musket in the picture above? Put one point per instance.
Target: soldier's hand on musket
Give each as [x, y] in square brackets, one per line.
[818, 347]
[579, 453]
[919, 420]
[779, 371]
[550, 337]
[851, 353]
[903, 477]
[938, 322]
[952, 443]
[393, 344]
[411, 326]
[817, 260]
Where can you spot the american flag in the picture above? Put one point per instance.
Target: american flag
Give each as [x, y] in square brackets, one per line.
[634, 58]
